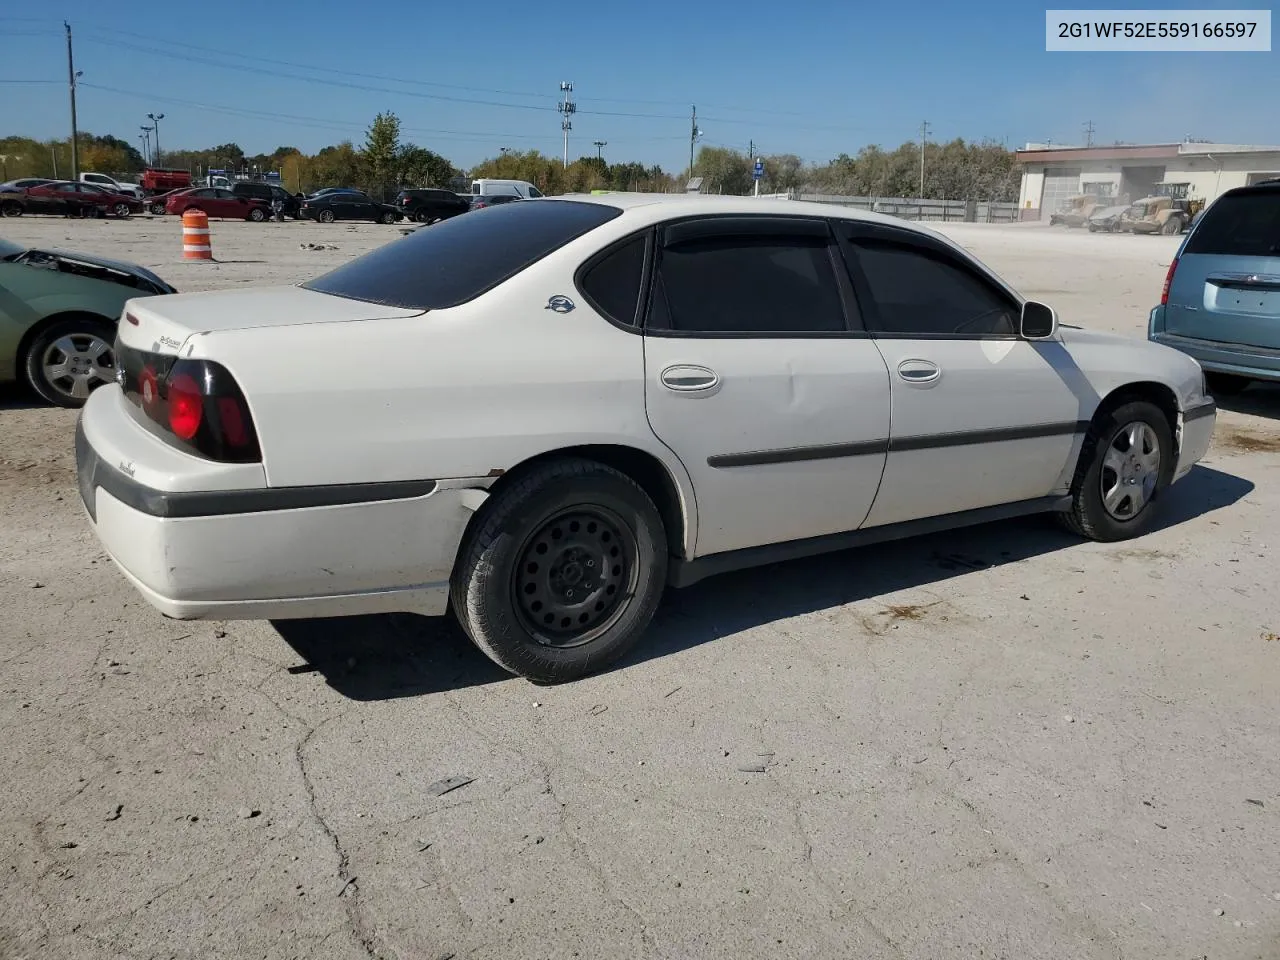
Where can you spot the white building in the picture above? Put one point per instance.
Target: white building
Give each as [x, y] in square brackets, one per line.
[1198, 171]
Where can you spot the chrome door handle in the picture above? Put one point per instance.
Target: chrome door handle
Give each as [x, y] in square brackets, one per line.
[689, 378]
[918, 371]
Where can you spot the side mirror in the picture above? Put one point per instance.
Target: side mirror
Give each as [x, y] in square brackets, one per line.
[1038, 321]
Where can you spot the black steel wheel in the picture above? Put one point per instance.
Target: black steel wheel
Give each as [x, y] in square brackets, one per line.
[561, 570]
[573, 574]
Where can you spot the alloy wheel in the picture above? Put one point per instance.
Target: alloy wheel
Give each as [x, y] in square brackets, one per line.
[76, 363]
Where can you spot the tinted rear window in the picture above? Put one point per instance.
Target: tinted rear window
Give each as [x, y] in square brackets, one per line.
[1240, 225]
[457, 260]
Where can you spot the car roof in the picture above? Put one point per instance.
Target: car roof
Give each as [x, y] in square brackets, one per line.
[663, 205]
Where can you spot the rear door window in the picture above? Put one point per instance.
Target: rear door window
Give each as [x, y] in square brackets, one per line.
[462, 257]
[1239, 225]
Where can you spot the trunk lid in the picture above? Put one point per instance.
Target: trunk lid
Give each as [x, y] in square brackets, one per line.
[1227, 283]
[161, 325]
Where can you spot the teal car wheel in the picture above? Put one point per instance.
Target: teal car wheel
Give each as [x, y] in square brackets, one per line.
[70, 359]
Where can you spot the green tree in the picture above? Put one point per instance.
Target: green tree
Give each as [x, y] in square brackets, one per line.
[381, 148]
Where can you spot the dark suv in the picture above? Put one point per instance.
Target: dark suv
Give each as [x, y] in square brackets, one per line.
[428, 206]
[268, 192]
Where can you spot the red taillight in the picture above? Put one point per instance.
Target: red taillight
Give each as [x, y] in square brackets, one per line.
[231, 416]
[131, 318]
[1168, 282]
[186, 406]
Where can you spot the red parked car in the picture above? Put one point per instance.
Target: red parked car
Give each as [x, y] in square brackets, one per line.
[72, 199]
[217, 202]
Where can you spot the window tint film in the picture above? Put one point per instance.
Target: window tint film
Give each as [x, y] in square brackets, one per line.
[613, 283]
[748, 285]
[917, 292]
[1240, 225]
[462, 257]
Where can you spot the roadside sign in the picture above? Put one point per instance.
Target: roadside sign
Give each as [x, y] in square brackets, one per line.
[758, 174]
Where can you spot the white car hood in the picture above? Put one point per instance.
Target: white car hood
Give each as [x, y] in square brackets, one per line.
[164, 323]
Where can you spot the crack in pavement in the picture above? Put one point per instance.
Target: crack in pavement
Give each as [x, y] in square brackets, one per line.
[360, 926]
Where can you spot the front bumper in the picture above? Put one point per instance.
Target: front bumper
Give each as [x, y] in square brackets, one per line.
[1195, 434]
[235, 554]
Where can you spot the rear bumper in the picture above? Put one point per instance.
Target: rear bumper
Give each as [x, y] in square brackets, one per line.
[1196, 432]
[232, 554]
[1215, 356]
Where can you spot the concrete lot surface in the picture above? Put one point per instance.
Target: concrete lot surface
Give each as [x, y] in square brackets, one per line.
[999, 743]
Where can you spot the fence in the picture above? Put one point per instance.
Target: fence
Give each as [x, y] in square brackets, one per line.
[971, 211]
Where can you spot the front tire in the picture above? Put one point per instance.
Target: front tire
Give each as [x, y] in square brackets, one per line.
[11, 208]
[562, 571]
[1171, 227]
[257, 215]
[422, 216]
[1125, 464]
[68, 360]
[157, 209]
[121, 210]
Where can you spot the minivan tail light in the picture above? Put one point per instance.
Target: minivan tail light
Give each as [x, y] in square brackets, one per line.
[1168, 282]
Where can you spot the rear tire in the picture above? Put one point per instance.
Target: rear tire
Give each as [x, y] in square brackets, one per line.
[562, 571]
[422, 216]
[1116, 486]
[325, 216]
[1171, 227]
[1226, 384]
[121, 210]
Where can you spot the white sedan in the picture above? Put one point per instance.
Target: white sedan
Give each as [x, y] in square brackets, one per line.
[541, 414]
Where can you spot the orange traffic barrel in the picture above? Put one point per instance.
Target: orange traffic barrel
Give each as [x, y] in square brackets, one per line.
[195, 236]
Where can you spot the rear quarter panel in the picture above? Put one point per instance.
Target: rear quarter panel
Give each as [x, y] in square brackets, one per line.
[451, 393]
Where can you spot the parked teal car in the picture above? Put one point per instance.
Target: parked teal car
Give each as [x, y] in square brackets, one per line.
[1221, 299]
[58, 314]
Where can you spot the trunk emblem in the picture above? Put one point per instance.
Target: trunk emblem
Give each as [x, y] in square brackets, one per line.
[560, 304]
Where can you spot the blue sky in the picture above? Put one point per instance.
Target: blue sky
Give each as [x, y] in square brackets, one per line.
[808, 77]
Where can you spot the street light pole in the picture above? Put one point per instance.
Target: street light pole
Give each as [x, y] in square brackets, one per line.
[155, 120]
[600, 145]
[71, 80]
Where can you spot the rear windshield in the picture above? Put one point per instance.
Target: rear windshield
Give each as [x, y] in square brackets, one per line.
[1239, 225]
[457, 260]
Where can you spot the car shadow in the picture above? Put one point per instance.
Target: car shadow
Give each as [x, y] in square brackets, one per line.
[1259, 400]
[18, 396]
[401, 655]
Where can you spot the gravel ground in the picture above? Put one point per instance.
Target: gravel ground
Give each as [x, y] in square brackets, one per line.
[995, 743]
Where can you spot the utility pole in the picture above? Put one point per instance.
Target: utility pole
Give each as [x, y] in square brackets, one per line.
[71, 81]
[567, 109]
[694, 134]
[155, 120]
[924, 133]
[751, 149]
[1088, 133]
[600, 145]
